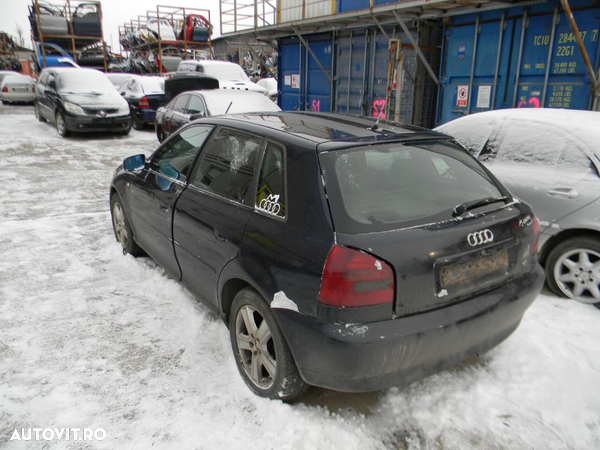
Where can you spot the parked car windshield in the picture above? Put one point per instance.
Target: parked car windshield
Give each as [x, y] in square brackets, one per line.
[230, 72]
[392, 186]
[79, 81]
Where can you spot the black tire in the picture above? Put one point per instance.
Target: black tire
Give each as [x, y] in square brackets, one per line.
[4, 102]
[122, 229]
[137, 124]
[38, 115]
[287, 383]
[61, 125]
[568, 281]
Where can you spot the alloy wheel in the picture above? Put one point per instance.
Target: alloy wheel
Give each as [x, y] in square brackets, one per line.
[61, 126]
[577, 273]
[119, 224]
[256, 347]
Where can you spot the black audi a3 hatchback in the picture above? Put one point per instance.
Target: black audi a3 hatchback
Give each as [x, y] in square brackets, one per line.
[342, 252]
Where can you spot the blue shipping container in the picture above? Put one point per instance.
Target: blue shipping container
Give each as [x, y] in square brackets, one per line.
[525, 57]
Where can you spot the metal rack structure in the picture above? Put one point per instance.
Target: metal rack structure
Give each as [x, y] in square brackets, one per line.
[178, 18]
[76, 42]
[9, 56]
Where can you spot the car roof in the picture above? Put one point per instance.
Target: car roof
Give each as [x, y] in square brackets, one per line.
[329, 131]
[220, 93]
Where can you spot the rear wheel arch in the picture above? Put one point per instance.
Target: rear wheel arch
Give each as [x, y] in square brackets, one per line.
[228, 292]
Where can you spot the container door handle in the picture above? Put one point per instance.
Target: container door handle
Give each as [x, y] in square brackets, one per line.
[563, 192]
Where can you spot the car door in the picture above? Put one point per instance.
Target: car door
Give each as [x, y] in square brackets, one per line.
[178, 116]
[154, 192]
[542, 165]
[212, 213]
[49, 98]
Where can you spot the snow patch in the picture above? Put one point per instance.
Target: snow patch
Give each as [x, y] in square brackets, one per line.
[280, 300]
[378, 265]
[442, 293]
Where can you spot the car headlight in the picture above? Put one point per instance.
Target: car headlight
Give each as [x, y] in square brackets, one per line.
[123, 110]
[74, 109]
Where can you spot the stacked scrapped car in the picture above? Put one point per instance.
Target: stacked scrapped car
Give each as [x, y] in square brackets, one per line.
[342, 253]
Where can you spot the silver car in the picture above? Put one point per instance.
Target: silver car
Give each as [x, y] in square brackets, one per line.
[550, 159]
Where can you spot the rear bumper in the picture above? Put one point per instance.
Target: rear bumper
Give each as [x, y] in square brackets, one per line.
[17, 96]
[145, 115]
[84, 124]
[378, 355]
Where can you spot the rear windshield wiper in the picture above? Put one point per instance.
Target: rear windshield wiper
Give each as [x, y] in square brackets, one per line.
[467, 206]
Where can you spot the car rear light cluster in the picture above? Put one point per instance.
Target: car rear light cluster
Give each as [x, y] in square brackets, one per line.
[352, 278]
[5, 89]
[143, 103]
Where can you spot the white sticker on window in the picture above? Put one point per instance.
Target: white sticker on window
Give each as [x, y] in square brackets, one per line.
[270, 204]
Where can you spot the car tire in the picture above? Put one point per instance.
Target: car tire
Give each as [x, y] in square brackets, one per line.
[122, 229]
[38, 115]
[265, 363]
[61, 125]
[137, 124]
[570, 270]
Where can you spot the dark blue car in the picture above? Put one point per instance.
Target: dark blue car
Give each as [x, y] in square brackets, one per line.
[144, 95]
[341, 252]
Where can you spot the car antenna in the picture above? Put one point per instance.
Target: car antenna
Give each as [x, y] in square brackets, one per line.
[228, 107]
[375, 127]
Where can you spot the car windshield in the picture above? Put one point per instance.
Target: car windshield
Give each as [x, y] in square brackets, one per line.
[153, 85]
[229, 72]
[233, 104]
[79, 81]
[386, 187]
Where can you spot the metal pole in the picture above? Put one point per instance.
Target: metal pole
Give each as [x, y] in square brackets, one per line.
[516, 88]
[399, 83]
[501, 34]
[475, 39]
[312, 54]
[582, 49]
[349, 71]
[549, 59]
[363, 103]
[416, 47]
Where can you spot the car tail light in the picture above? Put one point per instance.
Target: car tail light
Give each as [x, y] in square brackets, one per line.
[352, 278]
[143, 103]
[33, 89]
[536, 233]
[5, 89]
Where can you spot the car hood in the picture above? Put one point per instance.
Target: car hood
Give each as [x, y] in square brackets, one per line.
[96, 101]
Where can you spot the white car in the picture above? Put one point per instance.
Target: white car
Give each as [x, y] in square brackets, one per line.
[230, 75]
[270, 84]
[17, 88]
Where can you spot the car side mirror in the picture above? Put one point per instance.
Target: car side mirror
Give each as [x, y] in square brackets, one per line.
[196, 116]
[52, 84]
[123, 93]
[134, 163]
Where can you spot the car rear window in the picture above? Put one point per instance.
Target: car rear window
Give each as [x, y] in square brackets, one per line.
[391, 186]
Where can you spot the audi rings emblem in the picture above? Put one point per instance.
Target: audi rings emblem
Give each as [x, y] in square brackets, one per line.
[270, 204]
[480, 237]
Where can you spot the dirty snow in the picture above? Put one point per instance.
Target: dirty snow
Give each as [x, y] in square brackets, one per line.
[92, 338]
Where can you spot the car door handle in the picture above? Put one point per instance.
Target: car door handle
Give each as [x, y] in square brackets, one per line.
[221, 233]
[563, 192]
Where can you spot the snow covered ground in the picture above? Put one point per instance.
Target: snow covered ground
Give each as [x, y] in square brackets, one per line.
[91, 338]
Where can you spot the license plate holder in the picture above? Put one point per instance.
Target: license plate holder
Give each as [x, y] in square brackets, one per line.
[479, 269]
